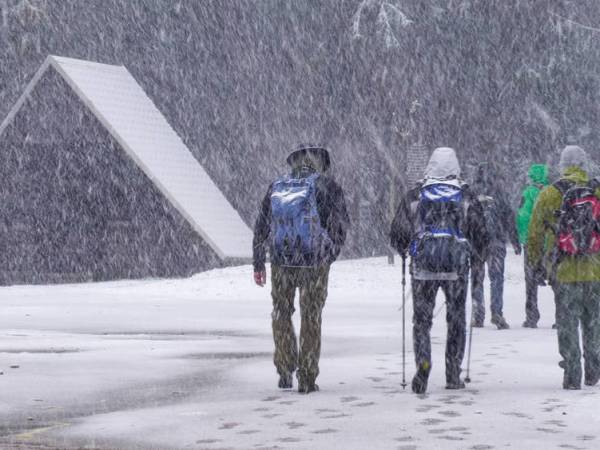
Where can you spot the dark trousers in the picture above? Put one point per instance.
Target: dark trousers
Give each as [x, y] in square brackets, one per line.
[424, 293]
[578, 303]
[532, 314]
[495, 264]
[312, 283]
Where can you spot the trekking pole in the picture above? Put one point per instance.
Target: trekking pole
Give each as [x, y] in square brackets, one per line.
[403, 322]
[468, 378]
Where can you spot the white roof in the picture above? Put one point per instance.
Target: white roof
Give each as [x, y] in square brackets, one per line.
[121, 105]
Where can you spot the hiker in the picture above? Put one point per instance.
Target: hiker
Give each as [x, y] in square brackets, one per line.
[303, 222]
[440, 223]
[499, 220]
[565, 232]
[538, 180]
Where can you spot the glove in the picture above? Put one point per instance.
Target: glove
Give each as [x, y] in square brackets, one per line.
[517, 249]
[260, 278]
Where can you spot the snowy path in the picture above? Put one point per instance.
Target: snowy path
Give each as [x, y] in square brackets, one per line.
[187, 364]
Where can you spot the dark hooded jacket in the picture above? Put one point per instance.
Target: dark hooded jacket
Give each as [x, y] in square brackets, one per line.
[331, 206]
[502, 228]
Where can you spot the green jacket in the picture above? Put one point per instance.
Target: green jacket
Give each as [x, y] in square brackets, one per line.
[541, 239]
[538, 175]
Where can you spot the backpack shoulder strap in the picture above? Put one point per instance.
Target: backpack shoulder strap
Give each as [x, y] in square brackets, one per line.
[563, 185]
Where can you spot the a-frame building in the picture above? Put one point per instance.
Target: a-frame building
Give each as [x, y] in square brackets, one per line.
[96, 185]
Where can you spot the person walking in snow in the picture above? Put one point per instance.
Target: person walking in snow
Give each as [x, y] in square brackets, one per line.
[538, 180]
[499, 219]
[566, 223]
[438, 223]
[302, 222]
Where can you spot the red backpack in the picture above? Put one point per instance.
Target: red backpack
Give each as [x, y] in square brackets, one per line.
[578, 219]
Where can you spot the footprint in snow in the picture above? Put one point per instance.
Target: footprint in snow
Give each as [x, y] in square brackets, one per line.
[520, 415]
[556, 423]
[481, 447]
[349, 399]
[249, 432]
[208, 441]
[289, 439]
[325, 410]
[375, 379]
[547, 430]
[450, 413]
[325, 431]
[451, 438]
[405, 439]
[295, 425]
[585, 437]
[431, 421]
[228, 425]
[271, 416]
[336, 416]
[363, 404]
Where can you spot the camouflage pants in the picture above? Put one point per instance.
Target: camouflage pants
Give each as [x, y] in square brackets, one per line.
[424, 293]
[578, 303]
[312, 283]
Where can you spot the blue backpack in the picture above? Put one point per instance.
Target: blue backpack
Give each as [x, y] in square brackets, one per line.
[298, 237]
[439, 245]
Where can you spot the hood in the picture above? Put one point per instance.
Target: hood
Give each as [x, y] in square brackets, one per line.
[309, 155]
[573, 156]
[443, 164]
[576, 175]
[538, 174]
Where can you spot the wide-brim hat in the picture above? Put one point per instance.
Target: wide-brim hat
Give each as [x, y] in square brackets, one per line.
[315, 151]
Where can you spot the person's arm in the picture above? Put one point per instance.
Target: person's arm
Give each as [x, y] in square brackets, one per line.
[524, 212]
[541, 218]
[476, 231]
[333, 213]
[262, 231]
[402, 228]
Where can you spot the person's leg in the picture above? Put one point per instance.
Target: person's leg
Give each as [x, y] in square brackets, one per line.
[456, 297]
[286, 349]
[568, 311]
[477, 302]
[496, 273]
[313, 293]
[590, 324]
[424, 293]
[532, 313]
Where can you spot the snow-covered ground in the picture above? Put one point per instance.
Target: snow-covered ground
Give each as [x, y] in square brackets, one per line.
[187, 364]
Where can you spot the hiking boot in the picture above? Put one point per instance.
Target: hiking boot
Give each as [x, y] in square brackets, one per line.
[477, 322]
[500, 322]
[571, 384]
[591, 379]
[306, 387]
[571, 378]
[285, 381]
[458, 384]
[419, 381]
[529, 324]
